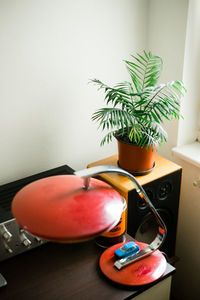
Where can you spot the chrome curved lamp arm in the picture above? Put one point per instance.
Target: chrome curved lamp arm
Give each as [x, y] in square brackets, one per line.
[162, 230]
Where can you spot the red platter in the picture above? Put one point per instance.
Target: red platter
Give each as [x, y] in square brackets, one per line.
[138, 273]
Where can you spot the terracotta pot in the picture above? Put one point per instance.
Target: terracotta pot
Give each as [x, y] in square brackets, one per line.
[135, 159]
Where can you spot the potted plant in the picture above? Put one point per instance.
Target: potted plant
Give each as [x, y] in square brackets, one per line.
[135, 112]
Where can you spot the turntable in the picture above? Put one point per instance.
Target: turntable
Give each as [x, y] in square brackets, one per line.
[13, 239]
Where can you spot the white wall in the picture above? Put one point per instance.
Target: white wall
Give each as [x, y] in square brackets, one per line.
[166, 38]
[48, 52]
[174, 33]
[186, 279]
[191, 76]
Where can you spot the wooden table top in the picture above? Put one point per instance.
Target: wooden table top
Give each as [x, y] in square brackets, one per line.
[63, 271]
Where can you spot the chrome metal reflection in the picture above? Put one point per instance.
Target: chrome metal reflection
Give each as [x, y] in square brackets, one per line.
[162, 230]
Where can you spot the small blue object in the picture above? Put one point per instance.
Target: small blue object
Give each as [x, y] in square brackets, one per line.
[127, 249]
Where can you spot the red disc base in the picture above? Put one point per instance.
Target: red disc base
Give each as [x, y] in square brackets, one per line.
[140, 272]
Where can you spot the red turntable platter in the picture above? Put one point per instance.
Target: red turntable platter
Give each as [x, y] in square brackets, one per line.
[138, 273]
[58, 208]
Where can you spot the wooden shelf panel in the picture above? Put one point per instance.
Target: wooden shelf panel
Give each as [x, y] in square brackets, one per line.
[163, 167]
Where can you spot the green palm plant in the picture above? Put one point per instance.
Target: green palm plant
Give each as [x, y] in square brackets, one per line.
[135, 110]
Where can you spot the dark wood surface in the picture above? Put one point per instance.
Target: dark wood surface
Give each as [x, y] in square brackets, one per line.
[62, 271]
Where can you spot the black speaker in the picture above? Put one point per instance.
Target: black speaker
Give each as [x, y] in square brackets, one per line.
[164, 194]
[162, 185]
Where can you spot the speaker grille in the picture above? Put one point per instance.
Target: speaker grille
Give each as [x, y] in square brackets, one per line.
[164, 193]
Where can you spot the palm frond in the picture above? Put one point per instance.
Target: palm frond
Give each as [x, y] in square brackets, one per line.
[113, 117]
[139, 107]
[121, 94]
[164, 101]
[145, 70]
[107, 138]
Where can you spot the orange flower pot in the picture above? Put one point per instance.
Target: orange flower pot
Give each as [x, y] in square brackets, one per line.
[134, 159]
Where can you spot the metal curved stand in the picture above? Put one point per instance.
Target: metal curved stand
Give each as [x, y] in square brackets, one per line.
[162, 230]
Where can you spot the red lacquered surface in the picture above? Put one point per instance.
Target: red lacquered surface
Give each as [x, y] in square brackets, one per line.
[139, 273]
[58, 208]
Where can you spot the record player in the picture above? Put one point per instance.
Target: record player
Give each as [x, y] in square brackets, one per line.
[13, 239]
